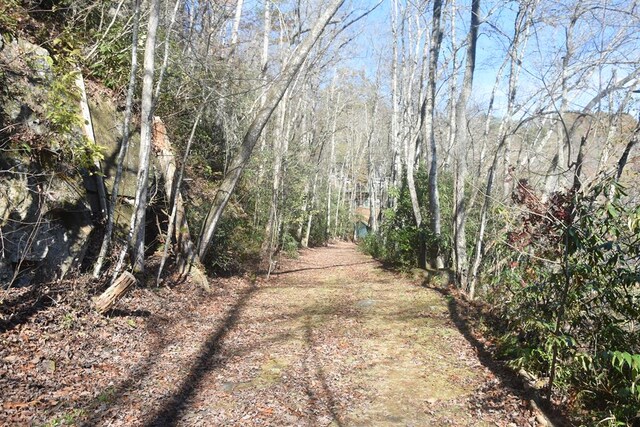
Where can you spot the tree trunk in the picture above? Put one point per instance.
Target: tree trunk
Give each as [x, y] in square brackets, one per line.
[124, 144]
[140, 206]
[515, 54]
[396, 165]
[177, 220]
[624, 158]
[373, 224]
[460, 240]
[270, 241]
[453, 88]
[307, 233]
[264, 60]
[336, 216]
[332, 157]
[429, 135]
[236, 26]
[553, 178]
[413, 194]
[167, 45]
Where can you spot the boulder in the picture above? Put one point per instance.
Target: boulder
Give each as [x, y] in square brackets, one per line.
[107, 128]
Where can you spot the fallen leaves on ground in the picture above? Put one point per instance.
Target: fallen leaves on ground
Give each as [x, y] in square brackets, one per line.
[330, 339]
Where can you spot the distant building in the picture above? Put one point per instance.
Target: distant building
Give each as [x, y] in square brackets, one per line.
[361, 227]
[361, 230]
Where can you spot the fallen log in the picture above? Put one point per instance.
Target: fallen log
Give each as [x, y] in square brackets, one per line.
[108, 299]
[530, 385]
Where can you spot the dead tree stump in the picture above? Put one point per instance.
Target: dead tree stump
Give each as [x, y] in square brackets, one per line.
[108, 299]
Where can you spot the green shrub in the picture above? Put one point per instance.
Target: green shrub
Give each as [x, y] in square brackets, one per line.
[235, 247]
[399, 242]
[63, 115]
[568, 291]
[373, 245]
[112, 63]
[289, 245]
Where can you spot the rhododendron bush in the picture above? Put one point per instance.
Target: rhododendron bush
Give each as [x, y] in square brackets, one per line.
[567, 286]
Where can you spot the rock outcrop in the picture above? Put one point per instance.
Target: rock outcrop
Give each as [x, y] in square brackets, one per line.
[46, 215]
[49, 206]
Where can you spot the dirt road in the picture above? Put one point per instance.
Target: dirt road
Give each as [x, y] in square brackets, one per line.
[330, 339]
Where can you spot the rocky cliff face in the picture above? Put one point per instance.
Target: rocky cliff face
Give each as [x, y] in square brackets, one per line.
[48, 206]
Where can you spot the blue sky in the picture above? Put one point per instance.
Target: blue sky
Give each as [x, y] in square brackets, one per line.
[544, 50]
[543, 54]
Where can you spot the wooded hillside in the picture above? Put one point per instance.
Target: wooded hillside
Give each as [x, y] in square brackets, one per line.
[158, 141]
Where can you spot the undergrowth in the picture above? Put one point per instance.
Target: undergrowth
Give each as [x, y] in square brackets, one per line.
[566, 282]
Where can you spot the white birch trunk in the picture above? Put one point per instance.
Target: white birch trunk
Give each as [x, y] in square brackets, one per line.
[429, 135]
[124, 145]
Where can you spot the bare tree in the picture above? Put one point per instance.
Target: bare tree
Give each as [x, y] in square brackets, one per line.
[146, 123]
[396, 165]
[252, 135]
[236, 25]
[522, 24]
[429, 133]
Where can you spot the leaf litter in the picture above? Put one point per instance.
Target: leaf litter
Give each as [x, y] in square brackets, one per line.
[330, 339]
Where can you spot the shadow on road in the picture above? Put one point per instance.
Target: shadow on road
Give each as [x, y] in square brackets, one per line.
[170, 408]
[459, 314]
[21, 309]
[173, 406]
[322, 400]
[326, 267]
